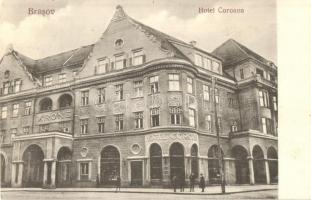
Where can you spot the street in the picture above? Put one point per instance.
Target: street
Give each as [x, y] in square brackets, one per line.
[24, 195]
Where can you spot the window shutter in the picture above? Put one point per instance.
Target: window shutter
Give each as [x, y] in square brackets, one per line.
[124, 62]
[130, 61]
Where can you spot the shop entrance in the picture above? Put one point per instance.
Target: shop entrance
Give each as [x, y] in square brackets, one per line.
[109, 165]
[33, 166]
[136, 173]
[177, 161]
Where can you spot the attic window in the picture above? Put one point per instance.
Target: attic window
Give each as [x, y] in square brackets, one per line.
[6, 74]
[118, 43]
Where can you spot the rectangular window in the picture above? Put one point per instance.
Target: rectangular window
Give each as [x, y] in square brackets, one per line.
[189, 85]
[206, 63]
[61, 78]
[4, 112]
[6, 86]
[264, 98]
[154, 84]
[101, 95]
[242, 73]
[101, 124]
[209, 123]
[44, 128]
[26, 130]
[84, 126]
[234, 128]
[103, 66]
[191, 117]
[275, 105]
[48, 80]
[155, 117]
[173, 82]
[64, 127]
[198, 60]
[17, 85]
[206, 92]
[119, 92]
[259, 72]
[119, 122]
[84, 171]
[138, 57]
[264, 125]
[216, 95]
[138, 88]
[15, 110]
[14, 131]
[27, 110]
[120, 62]
[175, 113]
[139, 120]
[84, 98]
[216, 67]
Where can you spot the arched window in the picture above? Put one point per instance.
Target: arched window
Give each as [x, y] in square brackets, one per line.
[273, 164]
[155, 162]
[213, 165]
[241, 164]
[177, 161]
[259, 165]
[109, 165]
[194, 160]
[46, 104]
[65, 101]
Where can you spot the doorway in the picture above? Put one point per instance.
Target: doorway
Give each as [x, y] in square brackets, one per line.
[136, 173]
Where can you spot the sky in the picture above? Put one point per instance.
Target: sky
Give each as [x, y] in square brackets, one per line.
[77, 23]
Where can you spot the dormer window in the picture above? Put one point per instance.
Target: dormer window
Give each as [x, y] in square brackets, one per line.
[7, 74]
[216, 67]
[138, 57]
[118, 43]
[120, 62]
[103, 66]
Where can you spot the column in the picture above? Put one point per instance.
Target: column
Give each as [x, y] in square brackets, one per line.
[13, 174]
[267, 171]
[251, 170]
[187, 168]
[53, 173]
[20, 173]
[45, 173]
[147, 165]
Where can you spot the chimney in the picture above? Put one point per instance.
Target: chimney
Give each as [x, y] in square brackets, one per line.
[193, 43]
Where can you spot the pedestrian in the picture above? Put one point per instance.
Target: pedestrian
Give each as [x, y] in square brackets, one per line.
[182, 183]
[97, 181]
[202, 182]
[174, 182]
[118, 183]
[192, 179]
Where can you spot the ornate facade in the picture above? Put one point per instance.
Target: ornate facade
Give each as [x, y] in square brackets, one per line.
[140, 104]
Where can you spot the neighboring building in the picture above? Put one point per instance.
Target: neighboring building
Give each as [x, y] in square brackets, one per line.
[139, 104]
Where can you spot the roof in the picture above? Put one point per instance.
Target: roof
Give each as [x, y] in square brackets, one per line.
[232, 52]
[74, 57]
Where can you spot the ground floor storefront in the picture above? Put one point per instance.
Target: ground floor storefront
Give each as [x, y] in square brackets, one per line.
[140, 160]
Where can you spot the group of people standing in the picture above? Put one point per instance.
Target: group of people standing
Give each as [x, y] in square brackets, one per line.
[180, 181]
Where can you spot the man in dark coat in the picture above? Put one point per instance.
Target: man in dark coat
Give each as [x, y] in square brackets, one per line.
[174, 182]
[202, 182]
[118, 183]
[192, 180]
[182, 183]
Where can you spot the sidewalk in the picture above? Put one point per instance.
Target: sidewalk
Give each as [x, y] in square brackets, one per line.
[210, 190]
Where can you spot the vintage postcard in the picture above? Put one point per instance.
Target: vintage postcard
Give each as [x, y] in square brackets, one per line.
[139, 99]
